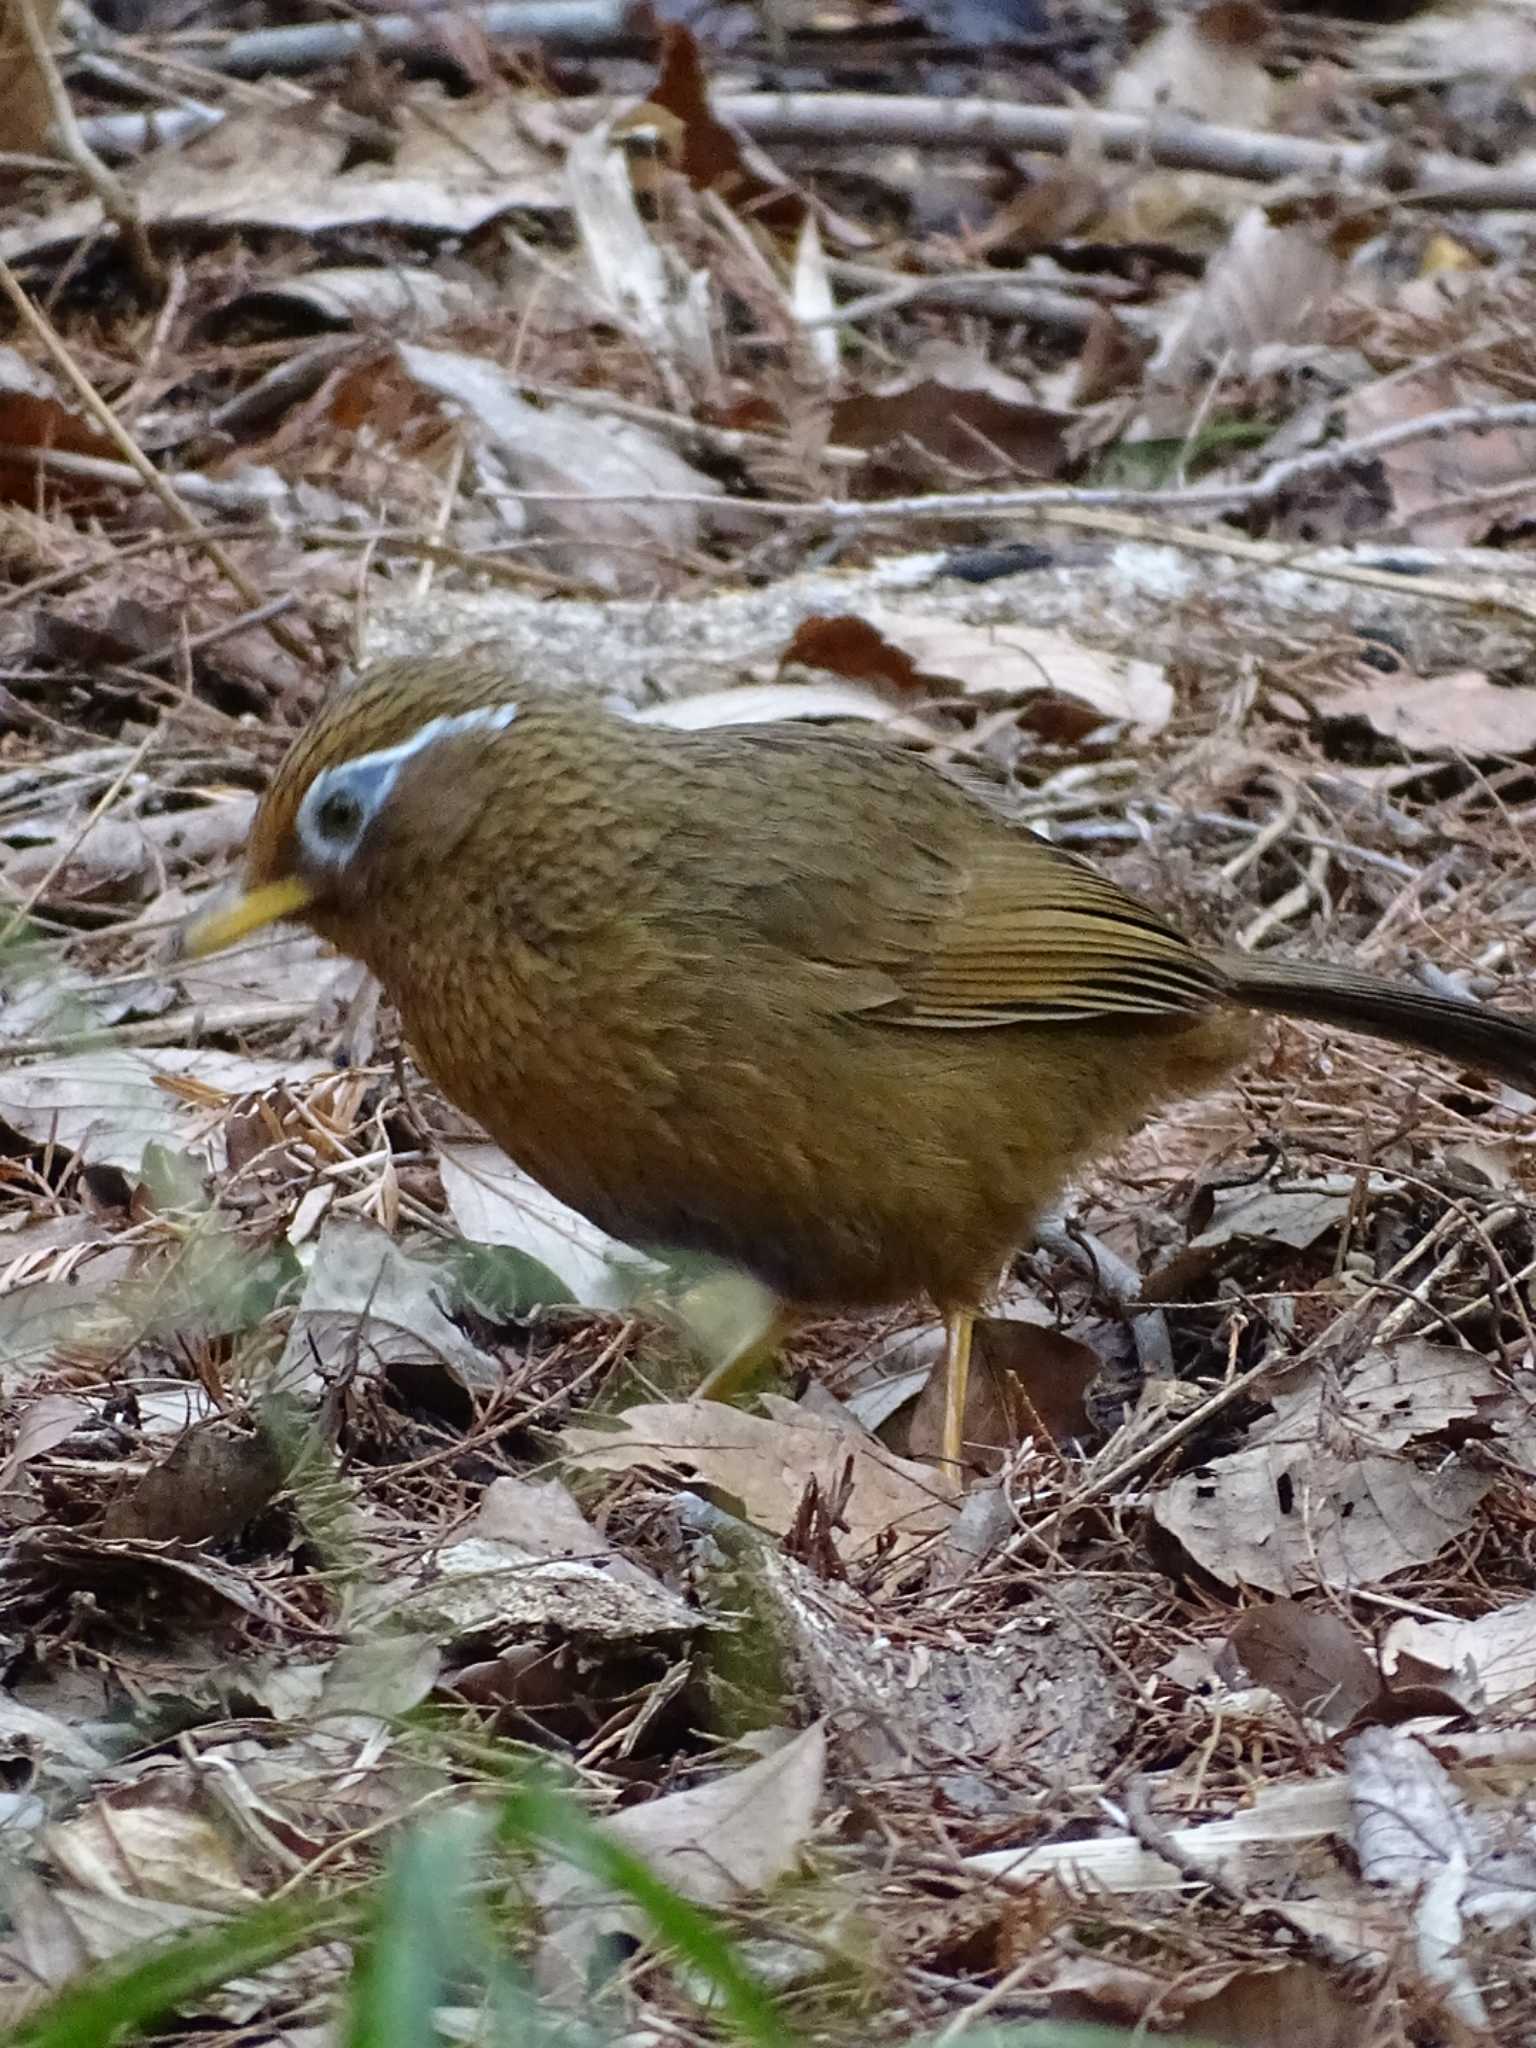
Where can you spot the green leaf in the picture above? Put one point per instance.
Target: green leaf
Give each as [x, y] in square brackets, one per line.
[502, 1282]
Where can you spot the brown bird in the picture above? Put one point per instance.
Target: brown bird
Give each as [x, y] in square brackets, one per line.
[795, 999]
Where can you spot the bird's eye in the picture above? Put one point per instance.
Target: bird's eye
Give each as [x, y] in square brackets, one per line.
[339, 816]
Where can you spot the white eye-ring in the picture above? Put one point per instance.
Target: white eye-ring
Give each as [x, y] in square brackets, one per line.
[342, 802]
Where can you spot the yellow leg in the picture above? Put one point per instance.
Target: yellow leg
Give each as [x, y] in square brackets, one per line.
[725, 1381]
[958, 1325]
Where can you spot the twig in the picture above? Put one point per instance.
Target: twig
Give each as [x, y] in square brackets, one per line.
[1279, 477]
[1425, 178]
[116, 202]
[563, 24]
[45, 332]
[66, 852]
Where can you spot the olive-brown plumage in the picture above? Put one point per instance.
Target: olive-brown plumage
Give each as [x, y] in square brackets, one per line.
[795, 999]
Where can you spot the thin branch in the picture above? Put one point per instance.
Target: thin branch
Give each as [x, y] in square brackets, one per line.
[1422, 177]
[117, 202]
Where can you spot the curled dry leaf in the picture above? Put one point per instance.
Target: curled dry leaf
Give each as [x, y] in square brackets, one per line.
[606, 485]
[767, 1465]
[716, 1843]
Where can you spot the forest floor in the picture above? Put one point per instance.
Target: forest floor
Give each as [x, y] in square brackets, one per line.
[1144, 423]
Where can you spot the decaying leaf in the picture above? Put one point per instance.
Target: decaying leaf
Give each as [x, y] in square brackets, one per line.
[1311, 1658]
[615, 491]
[1317, 1498]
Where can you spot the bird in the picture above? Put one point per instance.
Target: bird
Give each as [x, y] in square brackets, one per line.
[800, 1000]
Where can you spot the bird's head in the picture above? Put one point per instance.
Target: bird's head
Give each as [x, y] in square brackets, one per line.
[375, 795]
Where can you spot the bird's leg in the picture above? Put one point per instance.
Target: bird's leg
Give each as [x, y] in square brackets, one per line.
[959, 1323]
[725, 1381]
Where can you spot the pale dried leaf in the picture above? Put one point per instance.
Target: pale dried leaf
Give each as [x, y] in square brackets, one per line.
[614, 483]
[1025, 661]
[127, 1846]
[1269, 284]
[1463, 713]
[812, 301]
[638, 282]
[1429, 477]
[393, 298]
[494, 1202]
[43, 1424]
[109, 1105]
[541, 1517]
[715, 1843]
[1281, 1816]
[366, 1304]
[767, 1464]
[1394, 1395]
[1294, 1216]
[762, 703]
[1192, 68]
[454, 167]
[1287, 1516]
[1488, 1660]
[478, 1586]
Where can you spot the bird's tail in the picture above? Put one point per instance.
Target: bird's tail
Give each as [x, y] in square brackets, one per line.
[1499, 1044]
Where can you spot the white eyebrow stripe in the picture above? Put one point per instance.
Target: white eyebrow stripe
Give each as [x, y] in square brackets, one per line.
[371, 777]
[489, 718]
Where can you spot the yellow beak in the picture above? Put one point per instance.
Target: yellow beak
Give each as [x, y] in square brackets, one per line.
[248, 913]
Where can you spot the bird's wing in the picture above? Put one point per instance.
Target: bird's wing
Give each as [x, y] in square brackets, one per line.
[1032, 935]
[919, 904]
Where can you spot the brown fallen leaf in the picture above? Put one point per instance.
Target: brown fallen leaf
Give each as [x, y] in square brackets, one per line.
[1024, 1375]
[1035, 664]
[766, 1463]
[1311, 1658]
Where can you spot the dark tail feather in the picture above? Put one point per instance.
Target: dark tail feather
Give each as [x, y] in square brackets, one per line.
[1465, 1031]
